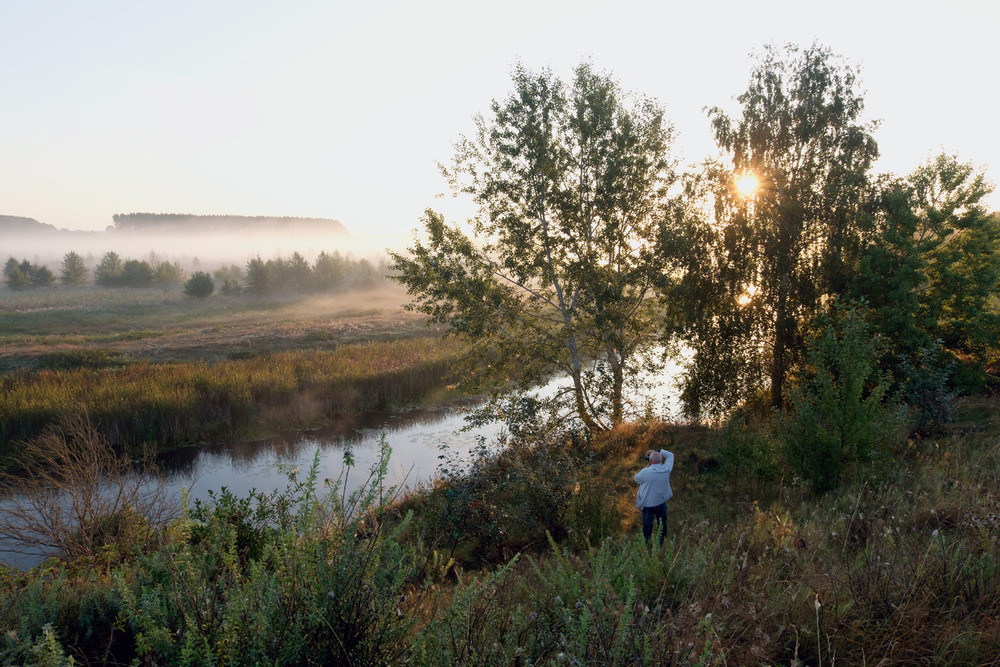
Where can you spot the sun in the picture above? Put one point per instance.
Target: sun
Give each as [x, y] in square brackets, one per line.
[747, 184]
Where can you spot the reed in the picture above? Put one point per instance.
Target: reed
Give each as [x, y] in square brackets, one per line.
[171, 405]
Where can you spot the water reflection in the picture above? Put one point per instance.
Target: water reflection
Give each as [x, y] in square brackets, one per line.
[417, 439]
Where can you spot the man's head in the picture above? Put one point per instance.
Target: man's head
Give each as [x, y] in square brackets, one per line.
[654, 458]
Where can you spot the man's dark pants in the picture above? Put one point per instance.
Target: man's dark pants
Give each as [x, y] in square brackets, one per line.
[651, 514]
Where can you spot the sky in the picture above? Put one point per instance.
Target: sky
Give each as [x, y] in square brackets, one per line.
[344, 109]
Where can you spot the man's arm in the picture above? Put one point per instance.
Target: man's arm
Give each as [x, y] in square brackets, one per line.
[668, 459]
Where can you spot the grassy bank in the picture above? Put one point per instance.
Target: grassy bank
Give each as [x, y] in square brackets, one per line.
[532, 556]
[170, 405]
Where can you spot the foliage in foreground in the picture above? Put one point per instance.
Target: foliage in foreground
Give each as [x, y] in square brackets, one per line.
[894, 570]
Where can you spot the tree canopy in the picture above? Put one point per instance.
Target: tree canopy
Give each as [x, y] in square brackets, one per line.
[559, 272]
[770, 258]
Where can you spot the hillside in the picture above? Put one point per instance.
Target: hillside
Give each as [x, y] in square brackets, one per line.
[16, 223]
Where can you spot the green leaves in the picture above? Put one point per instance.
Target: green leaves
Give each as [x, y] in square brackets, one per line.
[773, 259]
[558, 275]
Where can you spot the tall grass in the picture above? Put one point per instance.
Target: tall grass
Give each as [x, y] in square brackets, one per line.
[170, 405]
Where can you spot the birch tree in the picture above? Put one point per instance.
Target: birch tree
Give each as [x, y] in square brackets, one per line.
[558, 272]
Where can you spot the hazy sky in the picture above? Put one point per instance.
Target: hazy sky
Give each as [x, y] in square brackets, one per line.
[342, 109]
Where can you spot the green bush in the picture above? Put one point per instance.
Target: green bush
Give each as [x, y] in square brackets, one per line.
[926, 389]
[298, 577]
[839, 414]
[199, 285]
[508, 495]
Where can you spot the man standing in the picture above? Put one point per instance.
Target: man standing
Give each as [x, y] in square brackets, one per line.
[654, 491]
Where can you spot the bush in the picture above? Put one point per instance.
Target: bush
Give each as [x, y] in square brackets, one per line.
[839, 417]
[136, 273]
[22, 275]
[167, 273]
[199, 285]
[14, 276]
[75, 497]
[747, 453]
[297, 577]
[507, 496]
[925, 388]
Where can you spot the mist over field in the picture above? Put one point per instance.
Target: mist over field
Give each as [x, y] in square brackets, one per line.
[203, 251]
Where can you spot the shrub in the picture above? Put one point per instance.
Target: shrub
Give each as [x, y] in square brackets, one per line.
[508, 495]
[136, 273]
[199, 285]
[305, 577]
[14, 276]
[925, 388]
[839, 417]
[747, 453]
[75, 497]
[167, 273]
[24, 274]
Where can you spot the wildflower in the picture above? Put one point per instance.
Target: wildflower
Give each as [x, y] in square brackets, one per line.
[559, 600]
[579, 605]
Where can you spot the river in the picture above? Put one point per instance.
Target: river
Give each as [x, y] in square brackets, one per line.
[418, 439]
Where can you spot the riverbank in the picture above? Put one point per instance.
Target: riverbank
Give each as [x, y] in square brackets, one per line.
[544, 565]
[164, 406]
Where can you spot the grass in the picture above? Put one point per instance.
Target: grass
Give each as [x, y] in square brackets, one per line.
[896, 569]
[154, 369]
[138, 405]
[165, 326]
[531, 556]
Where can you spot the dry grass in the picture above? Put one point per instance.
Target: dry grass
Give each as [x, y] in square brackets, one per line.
[153, 326]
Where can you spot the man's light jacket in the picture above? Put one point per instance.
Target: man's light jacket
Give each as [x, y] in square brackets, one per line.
[654, 482]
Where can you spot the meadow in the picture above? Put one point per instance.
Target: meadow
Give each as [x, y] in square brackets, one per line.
[158, 370]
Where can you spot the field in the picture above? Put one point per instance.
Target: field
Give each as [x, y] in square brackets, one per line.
[39, 329]
[157, 369]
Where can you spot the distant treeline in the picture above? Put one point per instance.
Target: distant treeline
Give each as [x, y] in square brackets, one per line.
[330, 272]
[259, 224]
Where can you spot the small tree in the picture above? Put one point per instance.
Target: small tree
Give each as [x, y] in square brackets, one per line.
[73, 270]
[329, 271]
[137, 273]
[24, 274]
[41, 276]
[840, 417]
[258, 278]
[199, 285]
[229, 278]
[299, 273]
[109, 271]
[167, 273]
